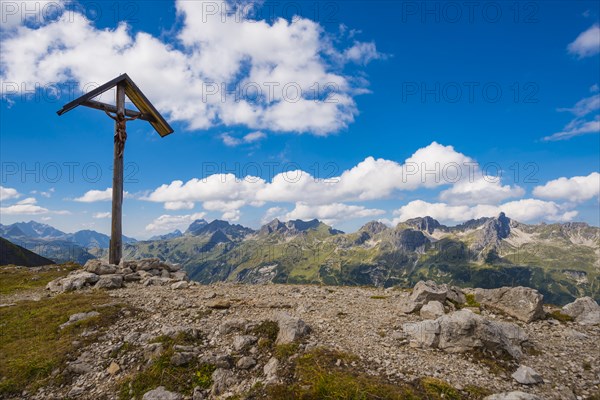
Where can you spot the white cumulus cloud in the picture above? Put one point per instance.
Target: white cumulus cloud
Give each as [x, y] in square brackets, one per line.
[279, 70]
[587, 43]
[331, 213]
[92, 196]
[482, 190]
[101, 215]
[8, 193]
[168, 223]
[524, 210]
[575, 189]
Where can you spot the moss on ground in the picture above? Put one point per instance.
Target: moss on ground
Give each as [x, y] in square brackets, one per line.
[285, 351]
[560, 316]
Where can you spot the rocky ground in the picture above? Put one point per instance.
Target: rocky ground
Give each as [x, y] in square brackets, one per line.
[466, 341]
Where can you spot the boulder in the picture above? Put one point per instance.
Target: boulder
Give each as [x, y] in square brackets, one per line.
[527, 376]
[74, 281]
[113, 281]
[456, 295]
[427, 291]
[463, 331]
[160, 393]
[157, 281]
[179, 276]
[147, 264]
[133, 277]
[584, 311]
[173, 267]
[424, 292]
[513, 396]
[522, 303]
[432, 310]
[99, 267]
[290, 328]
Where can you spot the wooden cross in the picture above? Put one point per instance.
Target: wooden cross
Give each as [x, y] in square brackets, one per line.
[147, 112]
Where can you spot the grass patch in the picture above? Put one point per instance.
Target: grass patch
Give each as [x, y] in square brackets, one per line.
[377, 297]
[438, 389]
[126, 347]
[499, 363]
[560, 317]
[285, 351]
[333, 375]
[267, 329]
[587, 366]
[18, 279]
[477, 392]
[31, 343]
[161, 372]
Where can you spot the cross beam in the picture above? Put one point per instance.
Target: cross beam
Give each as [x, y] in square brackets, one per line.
[98, 105]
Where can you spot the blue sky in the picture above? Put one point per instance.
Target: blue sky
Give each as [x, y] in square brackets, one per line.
[378, 94]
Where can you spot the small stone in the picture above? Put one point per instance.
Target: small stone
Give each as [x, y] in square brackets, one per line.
[242, 342]
[270, 369]
[219, 304]
[290, 328]
[512, 396]
[113, 368]
[222, 379]
[79, 368]
[179, 285]
[76, 391]
[527, 376]
[179, 359]
[160, 393]
[246, 363]
[198, 394]
[79, 317]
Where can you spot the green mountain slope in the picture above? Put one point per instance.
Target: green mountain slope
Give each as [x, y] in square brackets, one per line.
[560, 260]
[11, 253]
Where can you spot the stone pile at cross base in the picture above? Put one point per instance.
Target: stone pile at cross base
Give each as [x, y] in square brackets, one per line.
[99, 274]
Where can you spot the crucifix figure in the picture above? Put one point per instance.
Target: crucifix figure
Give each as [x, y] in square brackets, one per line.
[124, 86]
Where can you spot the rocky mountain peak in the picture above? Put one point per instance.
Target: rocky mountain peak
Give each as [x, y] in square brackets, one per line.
[195, 227]
[294, 227]
[425, 224]
[232, 231]
[374, 227]
[501, 224]
[493, 231]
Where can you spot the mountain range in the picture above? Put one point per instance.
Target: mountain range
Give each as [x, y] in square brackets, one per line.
[560, 260]
[56, 245]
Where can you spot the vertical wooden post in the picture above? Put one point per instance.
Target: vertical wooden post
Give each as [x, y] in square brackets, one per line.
[116, 235]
